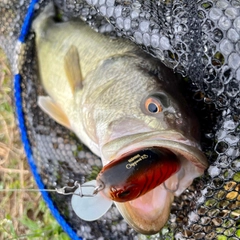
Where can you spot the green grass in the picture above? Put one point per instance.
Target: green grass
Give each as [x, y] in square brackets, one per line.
[23, 215]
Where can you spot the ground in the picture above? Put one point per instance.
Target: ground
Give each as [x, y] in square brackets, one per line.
[23, 214]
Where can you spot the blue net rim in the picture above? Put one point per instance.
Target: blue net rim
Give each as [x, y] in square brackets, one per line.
[23, 130]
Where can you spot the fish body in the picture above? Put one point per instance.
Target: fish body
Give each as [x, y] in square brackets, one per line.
[118, 100]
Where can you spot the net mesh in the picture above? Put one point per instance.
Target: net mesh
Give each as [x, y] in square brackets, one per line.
[199, 40]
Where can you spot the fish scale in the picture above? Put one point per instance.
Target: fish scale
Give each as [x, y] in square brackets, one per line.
[190, 211]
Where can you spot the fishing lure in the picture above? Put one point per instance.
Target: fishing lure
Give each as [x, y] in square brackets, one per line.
[133, 175]
[121, 180]
[125, 179]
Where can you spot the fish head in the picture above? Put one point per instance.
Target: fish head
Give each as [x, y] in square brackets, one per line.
[132, 94]
[139, 108]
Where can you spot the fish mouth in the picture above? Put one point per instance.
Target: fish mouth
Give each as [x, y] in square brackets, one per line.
[170, 140]
[149, 213]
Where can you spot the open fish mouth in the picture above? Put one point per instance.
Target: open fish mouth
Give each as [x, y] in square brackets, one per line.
[170, 140]
[138, 173]
[148, 213]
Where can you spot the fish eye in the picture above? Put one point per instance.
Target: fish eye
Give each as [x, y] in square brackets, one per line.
[153, 105]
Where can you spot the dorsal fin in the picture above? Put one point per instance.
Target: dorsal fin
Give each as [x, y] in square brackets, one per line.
[53, 110]
[73, 69]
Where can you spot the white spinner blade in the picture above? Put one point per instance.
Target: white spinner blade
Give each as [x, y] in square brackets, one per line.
[90, 208]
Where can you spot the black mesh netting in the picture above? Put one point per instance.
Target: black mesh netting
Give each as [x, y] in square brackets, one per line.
[200, 40]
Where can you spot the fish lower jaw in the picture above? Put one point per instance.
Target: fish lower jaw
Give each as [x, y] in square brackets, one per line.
[149, 213]
[149, 203]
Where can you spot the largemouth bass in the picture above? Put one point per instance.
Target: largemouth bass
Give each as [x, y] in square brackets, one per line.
[120, 102]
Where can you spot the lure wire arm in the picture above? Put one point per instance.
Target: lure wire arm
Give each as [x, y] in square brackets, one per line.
[77, 185]
[99, 188]
[62, 190]
[66, 190]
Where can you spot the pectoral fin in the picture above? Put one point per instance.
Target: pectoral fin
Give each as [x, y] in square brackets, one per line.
[53, 110]
[73, 69]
